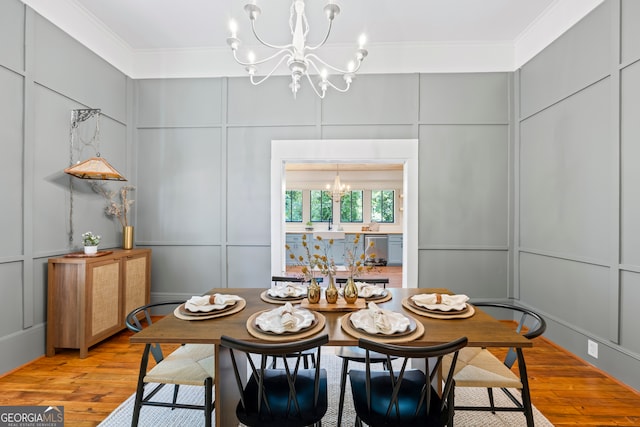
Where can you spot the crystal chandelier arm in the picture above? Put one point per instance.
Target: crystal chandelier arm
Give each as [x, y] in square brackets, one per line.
[273, 46]
[286, 52]
[256, 83]
[311, 56]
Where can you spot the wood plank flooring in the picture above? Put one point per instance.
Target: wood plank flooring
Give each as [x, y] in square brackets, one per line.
[567, 390]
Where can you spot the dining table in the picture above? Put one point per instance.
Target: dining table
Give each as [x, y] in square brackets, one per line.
[481, 330]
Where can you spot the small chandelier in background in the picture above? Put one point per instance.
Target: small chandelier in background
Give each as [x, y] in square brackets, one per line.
[338, 189]
[300, 57]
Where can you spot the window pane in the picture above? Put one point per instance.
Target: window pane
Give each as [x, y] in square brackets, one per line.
[293, 205]
[321, 206]
[351, 207]
[382, 205]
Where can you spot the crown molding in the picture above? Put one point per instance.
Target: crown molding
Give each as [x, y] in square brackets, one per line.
[384, 58]
[551, 24]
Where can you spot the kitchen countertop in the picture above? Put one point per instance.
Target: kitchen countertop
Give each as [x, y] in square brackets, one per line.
[343, 231]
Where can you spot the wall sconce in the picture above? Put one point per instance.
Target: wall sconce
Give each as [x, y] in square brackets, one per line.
[94, 167]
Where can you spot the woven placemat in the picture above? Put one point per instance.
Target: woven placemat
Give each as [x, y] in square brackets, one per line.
[266, 298]
[411, 307]
[305, 333]
[345, 322]
[239, 306]
[377, 300]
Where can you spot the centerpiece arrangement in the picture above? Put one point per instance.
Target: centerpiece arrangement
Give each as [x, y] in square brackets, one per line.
[327, 267]
[317, 258]
[355, 257]
[310, 264]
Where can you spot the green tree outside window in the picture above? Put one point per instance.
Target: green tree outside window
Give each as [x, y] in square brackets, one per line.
[321, 206]
[293, 205]
[351, 207]
[382, 205]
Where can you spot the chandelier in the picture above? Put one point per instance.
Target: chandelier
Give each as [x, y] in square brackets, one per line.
[300, 57]
[338, 189]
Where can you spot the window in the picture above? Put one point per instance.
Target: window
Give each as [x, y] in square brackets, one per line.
[382, 205]
[293, 205]
[351, 207]
[321, 206]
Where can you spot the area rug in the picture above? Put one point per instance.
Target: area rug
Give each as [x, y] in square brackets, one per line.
[161, 417]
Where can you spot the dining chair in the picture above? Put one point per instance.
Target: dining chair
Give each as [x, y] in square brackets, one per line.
[403, 396]
[478, 367]
[189, 364]
[354, 353]
[291, 396]
[384, 281]
[307, 356]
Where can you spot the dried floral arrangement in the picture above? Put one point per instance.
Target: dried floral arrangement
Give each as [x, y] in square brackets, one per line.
[118, 202]
[326, 263]
[355, 257]
[310, 262]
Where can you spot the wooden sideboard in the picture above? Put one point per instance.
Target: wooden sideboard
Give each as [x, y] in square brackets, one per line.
[89, 296]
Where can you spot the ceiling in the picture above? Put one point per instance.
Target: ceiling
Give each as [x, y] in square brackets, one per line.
[187, 38]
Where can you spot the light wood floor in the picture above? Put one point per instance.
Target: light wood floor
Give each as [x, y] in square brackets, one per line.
[568, 391]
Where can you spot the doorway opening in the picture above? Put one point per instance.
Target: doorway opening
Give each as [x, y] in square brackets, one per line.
[396, 151]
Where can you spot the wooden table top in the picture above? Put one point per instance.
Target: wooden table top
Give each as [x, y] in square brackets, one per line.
[482, 330]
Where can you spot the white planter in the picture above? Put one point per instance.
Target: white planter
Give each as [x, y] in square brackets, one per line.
[90, 249]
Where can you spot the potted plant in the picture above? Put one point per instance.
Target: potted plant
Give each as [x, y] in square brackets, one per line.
[309, 226]
[90, 242]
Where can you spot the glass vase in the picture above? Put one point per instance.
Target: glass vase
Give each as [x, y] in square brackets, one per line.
[313, 292]
[350, 291]
[331, 294]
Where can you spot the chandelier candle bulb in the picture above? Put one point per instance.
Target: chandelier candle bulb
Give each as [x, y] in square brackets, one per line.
[362, 40]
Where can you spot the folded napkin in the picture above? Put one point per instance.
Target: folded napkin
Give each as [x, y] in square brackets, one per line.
[283, 319]
[375, 320]
[380, 319]
[287, 319]
[441, 302]
[366, 290]
[287, 289]
[210, 302]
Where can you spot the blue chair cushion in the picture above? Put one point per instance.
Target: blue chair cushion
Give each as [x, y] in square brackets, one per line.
[282, 411]
[408, 400]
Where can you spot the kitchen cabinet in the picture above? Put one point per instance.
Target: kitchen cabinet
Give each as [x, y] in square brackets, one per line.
[294, 241]
[88, 297]
[395, 249]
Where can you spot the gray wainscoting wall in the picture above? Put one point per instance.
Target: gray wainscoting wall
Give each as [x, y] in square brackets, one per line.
[526, 180]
